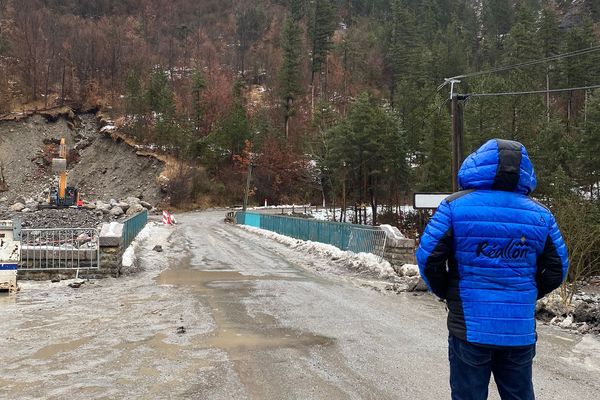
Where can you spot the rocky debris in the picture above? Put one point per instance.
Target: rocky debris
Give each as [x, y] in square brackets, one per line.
[407, 270]
[551, 307]
[134, 209]
[116, 211]
[17, 207]
[91, 215]
[76, 285]
[158, 248]
[416, 284]
[58, 218]
[103, 167]
[102, 206]
[587, 312]
[32, 205]
[582, 316]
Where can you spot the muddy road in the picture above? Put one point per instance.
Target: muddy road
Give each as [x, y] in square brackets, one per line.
[224, 313]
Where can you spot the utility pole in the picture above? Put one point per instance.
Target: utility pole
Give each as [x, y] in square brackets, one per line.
[248, 179]
[457, 137]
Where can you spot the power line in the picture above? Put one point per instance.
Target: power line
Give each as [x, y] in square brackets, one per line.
[526, 64]
[530, 92]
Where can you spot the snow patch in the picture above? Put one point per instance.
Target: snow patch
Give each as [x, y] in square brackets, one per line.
[358, 262]
[129, 261]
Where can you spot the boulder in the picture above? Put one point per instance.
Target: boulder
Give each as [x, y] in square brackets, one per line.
[567, 322]
[32, 205]
[551, 306]
[3, 199]
[123, 205]
[416, 284]
[585, 312]
[25, 210]
[117, 211]
[17, 207]
[132, 200]
[146, 205]
[89, 206]
[134, 209]
[410, 270]
[102, 206]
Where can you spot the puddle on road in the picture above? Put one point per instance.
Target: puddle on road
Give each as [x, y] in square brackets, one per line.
[237, 332]
[7, 298]
[51, 350]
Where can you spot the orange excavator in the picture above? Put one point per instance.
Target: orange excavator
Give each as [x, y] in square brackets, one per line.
[63, 195]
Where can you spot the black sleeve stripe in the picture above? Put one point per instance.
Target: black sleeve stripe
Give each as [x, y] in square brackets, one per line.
[458, 195]
[549, 273]
[435, 267]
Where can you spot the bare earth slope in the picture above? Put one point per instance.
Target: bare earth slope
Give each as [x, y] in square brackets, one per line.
[106, 168]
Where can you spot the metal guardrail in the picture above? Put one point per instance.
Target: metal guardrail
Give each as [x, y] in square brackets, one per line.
[134, 225]
[60, 249]
[350, 237]
[367, 241]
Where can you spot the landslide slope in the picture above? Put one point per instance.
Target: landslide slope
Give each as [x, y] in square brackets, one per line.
[102, 167]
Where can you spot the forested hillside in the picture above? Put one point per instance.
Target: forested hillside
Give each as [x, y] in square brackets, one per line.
[335, 99]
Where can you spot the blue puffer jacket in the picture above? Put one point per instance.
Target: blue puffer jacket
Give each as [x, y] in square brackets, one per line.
[490, 251]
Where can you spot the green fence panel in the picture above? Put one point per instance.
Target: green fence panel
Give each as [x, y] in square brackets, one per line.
[337, 234]
[132, 226]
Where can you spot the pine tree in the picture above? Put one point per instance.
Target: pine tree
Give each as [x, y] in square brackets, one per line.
[234, 128]
[321, 26]
[289, 75]
[134, 99]
[589, 148]
[250, 25]
[198, 87]
[521, 46]
[578, 71]
[159, 97]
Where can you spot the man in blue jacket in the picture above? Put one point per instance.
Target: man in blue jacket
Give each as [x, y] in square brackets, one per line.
[490, 251]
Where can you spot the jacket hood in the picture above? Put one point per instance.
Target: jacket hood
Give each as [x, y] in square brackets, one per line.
[498, 165]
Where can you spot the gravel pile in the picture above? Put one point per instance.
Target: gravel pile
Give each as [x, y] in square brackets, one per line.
[92, 215]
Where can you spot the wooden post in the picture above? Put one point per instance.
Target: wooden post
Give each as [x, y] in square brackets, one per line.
[248, 178]
[457, 138]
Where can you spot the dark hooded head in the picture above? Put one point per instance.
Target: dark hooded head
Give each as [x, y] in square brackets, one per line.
[499, 165]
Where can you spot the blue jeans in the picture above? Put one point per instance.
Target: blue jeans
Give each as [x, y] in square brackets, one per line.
[471, 366]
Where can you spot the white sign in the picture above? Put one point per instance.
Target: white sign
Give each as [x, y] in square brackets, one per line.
[429, 201]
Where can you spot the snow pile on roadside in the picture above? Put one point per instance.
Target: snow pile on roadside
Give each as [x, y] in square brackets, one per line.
[358, 262]
[129, 262]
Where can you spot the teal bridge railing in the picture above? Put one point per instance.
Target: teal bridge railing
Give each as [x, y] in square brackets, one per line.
[134, 225]
[350, 237]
